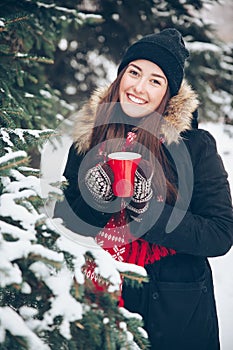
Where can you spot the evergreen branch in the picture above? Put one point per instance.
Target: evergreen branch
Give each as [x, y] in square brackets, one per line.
[34, 58]
[54, 263]
[4, 48]
[17, 19]
[134, 277]
[28, 201]
[12, 21]
[107, 336]
[79, 325]
[23, 342]
[14, 112]
[14, 164]
[6, 117]
[26, 171]
[43, 37]
[142, 342]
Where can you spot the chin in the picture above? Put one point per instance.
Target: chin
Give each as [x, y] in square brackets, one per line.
[135, 112]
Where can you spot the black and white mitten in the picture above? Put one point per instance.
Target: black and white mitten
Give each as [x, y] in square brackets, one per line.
[99, 182]
[142, 190]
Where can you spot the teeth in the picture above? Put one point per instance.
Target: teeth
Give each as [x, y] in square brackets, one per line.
[136, 99]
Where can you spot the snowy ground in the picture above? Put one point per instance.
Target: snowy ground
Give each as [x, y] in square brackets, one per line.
[223, 276]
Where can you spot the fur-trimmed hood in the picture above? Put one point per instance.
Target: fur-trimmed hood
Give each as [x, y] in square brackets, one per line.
[177, 118]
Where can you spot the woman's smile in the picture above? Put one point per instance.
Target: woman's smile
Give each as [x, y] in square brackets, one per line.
[136, 99]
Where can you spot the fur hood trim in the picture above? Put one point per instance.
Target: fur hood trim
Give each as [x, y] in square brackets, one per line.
[177, 117]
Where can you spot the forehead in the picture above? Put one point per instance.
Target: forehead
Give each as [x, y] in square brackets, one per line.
[147, 66]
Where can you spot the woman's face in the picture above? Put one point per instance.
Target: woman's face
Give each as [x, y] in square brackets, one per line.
[142, 88]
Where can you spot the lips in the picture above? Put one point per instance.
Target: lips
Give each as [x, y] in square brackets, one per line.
[136, 100]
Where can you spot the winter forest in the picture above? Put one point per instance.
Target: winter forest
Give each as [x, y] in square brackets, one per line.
[53, 54]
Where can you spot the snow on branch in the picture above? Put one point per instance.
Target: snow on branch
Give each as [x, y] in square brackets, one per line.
[10, 321]
[199, 46]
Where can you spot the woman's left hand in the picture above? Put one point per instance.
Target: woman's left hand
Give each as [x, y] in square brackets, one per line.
[142, 190]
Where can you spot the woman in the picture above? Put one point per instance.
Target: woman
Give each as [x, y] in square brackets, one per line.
[180, 212]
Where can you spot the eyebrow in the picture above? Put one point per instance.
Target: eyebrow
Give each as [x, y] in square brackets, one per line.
[153, 74]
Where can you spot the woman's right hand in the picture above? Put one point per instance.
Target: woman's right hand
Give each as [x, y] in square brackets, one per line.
[99, 181]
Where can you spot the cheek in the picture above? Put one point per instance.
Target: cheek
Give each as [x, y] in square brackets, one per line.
[158, 97]
[122, 89]
[123, 84]
[126, 83]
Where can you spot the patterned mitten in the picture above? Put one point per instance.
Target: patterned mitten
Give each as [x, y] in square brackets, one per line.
[142, 190]
[99, 182]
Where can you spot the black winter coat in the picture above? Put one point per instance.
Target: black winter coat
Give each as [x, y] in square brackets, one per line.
[178, 303]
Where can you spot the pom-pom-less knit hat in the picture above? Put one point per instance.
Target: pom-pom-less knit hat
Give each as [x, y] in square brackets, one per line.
[166, 49]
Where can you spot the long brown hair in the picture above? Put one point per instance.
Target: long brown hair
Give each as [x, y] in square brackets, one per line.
[110, 125]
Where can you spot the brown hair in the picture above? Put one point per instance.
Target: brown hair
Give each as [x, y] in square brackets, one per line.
[148, 137]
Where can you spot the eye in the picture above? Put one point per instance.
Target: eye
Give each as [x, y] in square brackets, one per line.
[156, 82]
[133, 72]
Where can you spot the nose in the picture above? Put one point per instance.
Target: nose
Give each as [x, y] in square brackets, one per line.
[140, 86]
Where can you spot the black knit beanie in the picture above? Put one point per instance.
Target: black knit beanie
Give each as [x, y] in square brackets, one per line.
[166, 49]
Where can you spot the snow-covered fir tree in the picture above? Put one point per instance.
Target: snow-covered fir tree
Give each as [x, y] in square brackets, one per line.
[46, 301]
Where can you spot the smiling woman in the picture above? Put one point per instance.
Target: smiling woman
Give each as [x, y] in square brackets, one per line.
[179, 212]
[142, 88]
